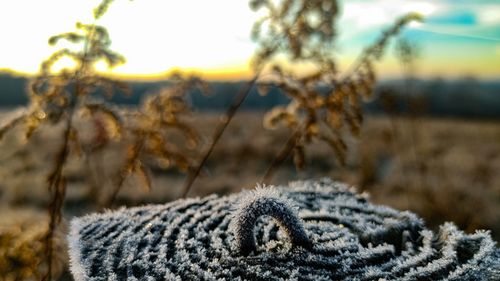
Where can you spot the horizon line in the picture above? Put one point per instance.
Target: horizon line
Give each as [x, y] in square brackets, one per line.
[240, 76]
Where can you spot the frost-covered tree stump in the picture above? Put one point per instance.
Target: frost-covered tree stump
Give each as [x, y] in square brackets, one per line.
[310, 230]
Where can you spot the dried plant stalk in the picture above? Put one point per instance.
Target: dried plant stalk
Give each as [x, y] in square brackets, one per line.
[53, 101]
[323, 103]
[219, 130]
[162, 112]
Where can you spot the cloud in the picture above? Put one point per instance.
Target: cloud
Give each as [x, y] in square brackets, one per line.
[489, 15]
[469, 20]
[358, 17]
[362, 15]
[478, 21]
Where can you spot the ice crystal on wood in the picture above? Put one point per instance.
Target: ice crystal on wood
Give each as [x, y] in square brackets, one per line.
[350, 239]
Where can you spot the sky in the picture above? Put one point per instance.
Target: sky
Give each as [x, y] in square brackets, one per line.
[212, 38]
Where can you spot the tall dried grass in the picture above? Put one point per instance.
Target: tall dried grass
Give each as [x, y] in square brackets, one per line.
[323, 101]
[62, 96]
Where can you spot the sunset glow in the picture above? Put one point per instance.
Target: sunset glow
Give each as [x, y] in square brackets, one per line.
[212, 38]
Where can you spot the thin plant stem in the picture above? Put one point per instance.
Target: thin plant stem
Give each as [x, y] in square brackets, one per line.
[219, 130]
[56, 180]
[57, 184]
[282, 155]
[139, 145]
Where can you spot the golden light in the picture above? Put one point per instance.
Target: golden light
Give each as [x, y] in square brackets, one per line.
[154, 35]
[212, 38]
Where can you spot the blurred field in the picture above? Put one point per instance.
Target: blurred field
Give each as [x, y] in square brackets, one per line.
[441, 169]
[444, 170]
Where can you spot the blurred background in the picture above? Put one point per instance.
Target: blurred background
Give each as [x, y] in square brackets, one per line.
[430, 142]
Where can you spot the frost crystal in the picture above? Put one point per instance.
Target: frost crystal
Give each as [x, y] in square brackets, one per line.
[265, 202]
[310, 230]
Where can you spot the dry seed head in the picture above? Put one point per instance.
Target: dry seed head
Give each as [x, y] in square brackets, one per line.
[55, 96]
[304, 31]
